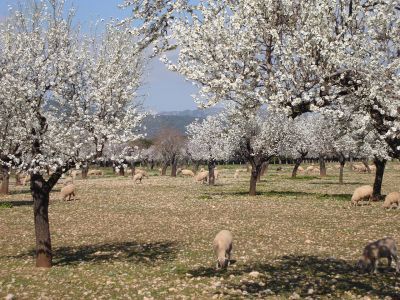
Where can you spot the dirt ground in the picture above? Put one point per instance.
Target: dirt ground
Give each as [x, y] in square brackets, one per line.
[298, 238]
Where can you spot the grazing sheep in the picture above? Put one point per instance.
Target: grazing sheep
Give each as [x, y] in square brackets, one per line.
[384, 248]
[187, 173]
[223, 248]
[202, 176]
[362, 193]
[337, 167]
[372, 168]
[138, 177]
[95, 173]
[300, 169]
[202, 170]
[216, 173]
[68, 191]
[75, 173]
[392, 198]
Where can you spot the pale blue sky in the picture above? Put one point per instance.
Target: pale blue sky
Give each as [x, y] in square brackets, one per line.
[164, 90]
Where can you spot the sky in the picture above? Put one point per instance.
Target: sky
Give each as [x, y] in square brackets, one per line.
[163, 89]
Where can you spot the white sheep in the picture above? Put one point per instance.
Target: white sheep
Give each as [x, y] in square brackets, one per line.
[300, 169]
[186, 172]
[222, 248]
[143, 172]
[392, 198]
[26, 179]
[68, 180]
[202, 176]
[384, 248]
[68, 191]
[138, 177]
[309, 169]
[362, 193]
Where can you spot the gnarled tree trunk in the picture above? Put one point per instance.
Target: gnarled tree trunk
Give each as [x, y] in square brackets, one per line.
[85, 170]
[342, 161]
[322, 166]
[211, 175]
[40, 190]
[297, 164]
[380, 170]
[5, 183]
[366, 165]
[255, 171]
[174, 163]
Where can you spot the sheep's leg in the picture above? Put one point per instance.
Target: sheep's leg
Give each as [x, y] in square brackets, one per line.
[375, 266]
[396, 260]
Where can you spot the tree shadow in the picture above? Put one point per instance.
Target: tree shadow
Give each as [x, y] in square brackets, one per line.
[17, 203]
[19, 192]
[301, 274]
[337, 183]
[146, 253]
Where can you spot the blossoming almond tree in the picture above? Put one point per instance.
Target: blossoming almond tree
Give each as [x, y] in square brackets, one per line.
[207, 142]
[50, 83]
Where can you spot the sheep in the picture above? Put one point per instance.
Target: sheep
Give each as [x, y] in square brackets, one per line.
[68, 181]
[236, 176]
[187, 173]
[138, 177]
[392, 198]
[68, 191]
[300, 169]
[95, 173]
[26, 179]
[372, 168]
[384, 248]
[216, 173]
[309, 169]
[143, 172]
[75, 173]
[222, 248]
[361, 193]
[202, 170]
[359, 168]
[202, 176]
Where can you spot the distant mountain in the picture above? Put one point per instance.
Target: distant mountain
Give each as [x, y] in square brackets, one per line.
[175, 119]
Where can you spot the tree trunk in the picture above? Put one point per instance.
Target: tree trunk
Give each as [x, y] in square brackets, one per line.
[85, 171]
[350, 162]
[174, 164]
[133, 169]
[211, 175]
[164, 170]
[247, 168]
[196, 166]
[255, 170]
[5, 184]
[40, 196]
[121, 171]
[322, 166]
[380, 170]
[365, 163]
[298, 162]
[264, 167]
[342, 162]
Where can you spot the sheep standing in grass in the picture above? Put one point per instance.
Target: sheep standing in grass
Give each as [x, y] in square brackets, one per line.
[384, 248]
[187, 173]
[223, 248]
[138, 177]
[362, 193]
[309, 169]
[202, 176]
[143, 172]
[68, 180]
[300, 169]
[392, 198]
[68, 191]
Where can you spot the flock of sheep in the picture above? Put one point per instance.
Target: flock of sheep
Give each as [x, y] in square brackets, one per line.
[223, 241]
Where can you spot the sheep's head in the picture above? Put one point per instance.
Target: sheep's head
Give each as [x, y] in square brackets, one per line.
[364, 264]
[222, 262]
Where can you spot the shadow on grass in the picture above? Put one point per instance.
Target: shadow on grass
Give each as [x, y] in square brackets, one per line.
[20, 192]
[300, 274]
[337, 183]
[147, 253]
[17, 203]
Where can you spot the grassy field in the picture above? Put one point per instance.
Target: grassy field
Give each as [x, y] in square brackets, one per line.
[120, 240]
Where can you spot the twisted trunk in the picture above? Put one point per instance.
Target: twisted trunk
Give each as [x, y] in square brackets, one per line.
[297, 164]
[380, 170]
[40, 190]
[5, 183]
[211, 175]
[255, 171]
[342, 161]
[322, 166]
[174, 163]
[85, 171]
